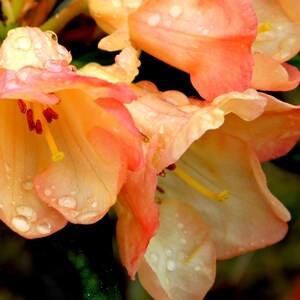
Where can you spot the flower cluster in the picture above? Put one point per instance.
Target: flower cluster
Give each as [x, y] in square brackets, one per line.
[182, 174]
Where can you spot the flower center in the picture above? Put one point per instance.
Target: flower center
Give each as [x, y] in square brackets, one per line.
[41, 124]
[220, 197]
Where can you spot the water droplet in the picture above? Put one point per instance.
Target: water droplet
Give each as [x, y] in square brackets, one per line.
[48, 192]
[94, 204]
[169, 252]
[1, 206]
[175, 11]
[180, 225]
[67, 202]
[154, 19]
[161, 129]
[43, 227]
[205, 31]
[20, 223]
[37, 45]
[26, 212]
[183, 241]
[87, 216]
[22, 43]
[154, 258]
[27, 186]
[197, 269]
[171, 265]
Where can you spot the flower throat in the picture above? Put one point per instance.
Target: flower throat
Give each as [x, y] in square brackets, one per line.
[41, 125]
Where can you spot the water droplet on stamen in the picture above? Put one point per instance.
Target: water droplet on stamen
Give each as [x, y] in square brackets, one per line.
[67, 202]
[22, 43]
[20, 223]
[197, 269]
[169, 252]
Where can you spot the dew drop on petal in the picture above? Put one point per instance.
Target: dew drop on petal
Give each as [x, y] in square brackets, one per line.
[22, 43]
[67, 202]
[154, 19]
[27, 186]
[87, 216]
[169, 252]
[175, 11]
[154, 258]
[26, 212]
[20, 223]
[48, 192]
[197, 269]
[43, 227]
[171, 265]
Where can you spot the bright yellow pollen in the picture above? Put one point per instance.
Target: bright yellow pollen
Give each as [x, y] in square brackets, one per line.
[220, 197]
[264, 27]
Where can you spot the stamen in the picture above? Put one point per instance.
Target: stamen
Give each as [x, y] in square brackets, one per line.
[220, 197]
[50, 114]
[22, 105]
[38, 127]
[30, 120]
[264, 27]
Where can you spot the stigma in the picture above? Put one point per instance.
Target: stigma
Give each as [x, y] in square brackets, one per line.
[40, 124]
[216, 196]
[266, 26]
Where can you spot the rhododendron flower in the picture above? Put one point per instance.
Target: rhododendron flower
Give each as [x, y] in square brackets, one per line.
[66, 139]
[215, 203]
[277, 41]
[211, 40]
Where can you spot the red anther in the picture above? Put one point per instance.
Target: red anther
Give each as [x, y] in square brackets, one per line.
[30, 120]
[22, 105]
[171, 167]
[38, 127]
[50, 114]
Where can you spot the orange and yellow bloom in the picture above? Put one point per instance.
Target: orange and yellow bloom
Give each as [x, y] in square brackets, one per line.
[64, 150]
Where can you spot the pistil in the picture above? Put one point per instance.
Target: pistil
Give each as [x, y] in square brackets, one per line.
[220, 197]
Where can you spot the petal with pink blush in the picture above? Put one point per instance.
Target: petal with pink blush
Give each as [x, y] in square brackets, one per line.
[269, 75]
[176, 121]
[251, 217]
[273, 133]
[22, 155]
[180, 259]
[196, 36]
[40, 84]
[84, 185]
[138, 217]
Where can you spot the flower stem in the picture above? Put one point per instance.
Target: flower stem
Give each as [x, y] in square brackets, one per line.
[63, 17]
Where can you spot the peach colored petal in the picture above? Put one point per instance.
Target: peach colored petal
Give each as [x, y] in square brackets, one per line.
[112, 15]
[138, 216]
[211, 40]
[22, 155]
[269, 75]
[251, 217]
[281, 39]
[247, 105]
[124, 69]
[176, 121]
[180, 260]
[84, 185]
[272, 134]
[40, 84]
